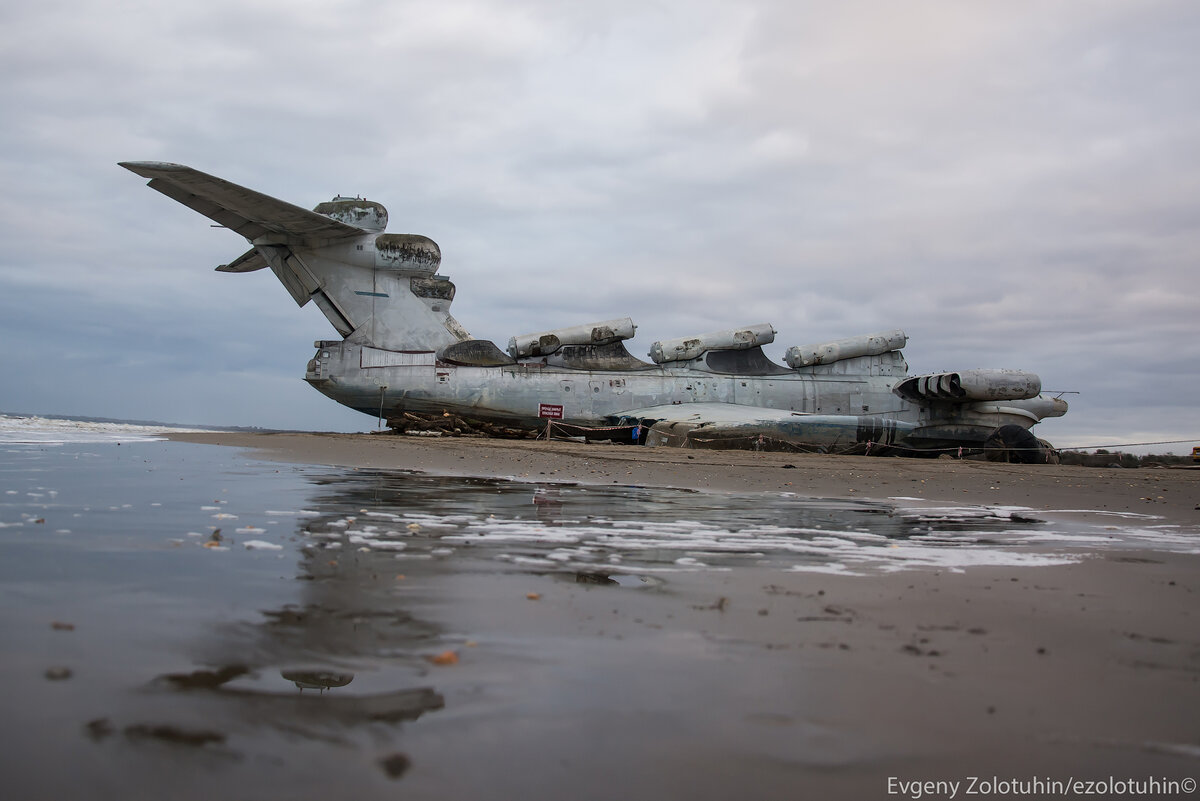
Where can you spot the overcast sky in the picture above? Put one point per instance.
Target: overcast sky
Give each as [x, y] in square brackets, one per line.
[1015, 184]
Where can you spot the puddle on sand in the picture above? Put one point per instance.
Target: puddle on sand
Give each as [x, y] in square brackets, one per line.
[612, 531]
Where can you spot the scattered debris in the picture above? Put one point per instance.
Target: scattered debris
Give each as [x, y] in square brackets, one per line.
[446, 424]
[98, 729]
[206, 679]
[58, 673]
[444, 658]
[594, 578]
[395, 765]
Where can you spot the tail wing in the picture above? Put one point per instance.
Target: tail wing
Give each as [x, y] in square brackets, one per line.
[248, 262]
[249, 213]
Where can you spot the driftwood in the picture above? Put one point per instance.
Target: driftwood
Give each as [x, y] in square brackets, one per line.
[452, 425]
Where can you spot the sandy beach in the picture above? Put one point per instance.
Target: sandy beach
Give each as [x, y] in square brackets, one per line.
[1173, 494]
[841, 686]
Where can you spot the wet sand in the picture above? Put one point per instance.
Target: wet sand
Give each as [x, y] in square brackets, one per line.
[1173, 494]
[789, 684]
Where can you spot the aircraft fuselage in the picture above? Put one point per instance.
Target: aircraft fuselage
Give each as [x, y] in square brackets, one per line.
[403, 354]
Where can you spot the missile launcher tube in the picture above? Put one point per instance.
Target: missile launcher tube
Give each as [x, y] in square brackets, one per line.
[829, 352]
[547, 342]
[687, 348]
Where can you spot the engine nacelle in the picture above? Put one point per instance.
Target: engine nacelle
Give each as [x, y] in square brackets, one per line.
[602, 333]
[970, 385]
[687, 348]
[407, 252]
[365, 214]
[829, 352]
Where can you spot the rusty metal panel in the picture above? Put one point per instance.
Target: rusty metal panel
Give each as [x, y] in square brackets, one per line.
[407, 252]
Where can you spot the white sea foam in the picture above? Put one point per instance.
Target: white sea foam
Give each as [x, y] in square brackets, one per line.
[46, 431]
[261, 545]
[923, 537]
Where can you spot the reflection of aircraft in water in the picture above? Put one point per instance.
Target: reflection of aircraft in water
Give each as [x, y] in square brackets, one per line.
[319, 680]
[403, 357]
[289, 710]
[347, 619]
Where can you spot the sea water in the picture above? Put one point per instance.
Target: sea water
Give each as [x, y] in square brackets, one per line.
[178, 616]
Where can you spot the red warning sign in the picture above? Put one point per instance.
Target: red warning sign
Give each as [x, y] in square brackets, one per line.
[550, 411]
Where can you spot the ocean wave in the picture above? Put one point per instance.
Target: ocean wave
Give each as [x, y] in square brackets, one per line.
[18, 430]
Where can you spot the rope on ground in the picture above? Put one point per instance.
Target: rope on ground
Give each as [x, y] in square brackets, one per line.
[1129, 444]
[553, 425]
[957, 450]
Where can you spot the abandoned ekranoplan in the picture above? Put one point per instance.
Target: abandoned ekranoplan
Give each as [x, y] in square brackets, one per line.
[403, 357]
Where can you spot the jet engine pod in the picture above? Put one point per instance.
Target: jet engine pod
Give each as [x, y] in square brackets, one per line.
[829, 352]
[365, 214]
[970, 385]
[687, 348]
[543, 344]
[407, 252]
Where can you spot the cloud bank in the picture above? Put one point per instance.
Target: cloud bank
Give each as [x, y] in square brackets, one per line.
[1014, 184]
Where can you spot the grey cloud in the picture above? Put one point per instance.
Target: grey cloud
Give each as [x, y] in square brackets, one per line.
[1014, 184]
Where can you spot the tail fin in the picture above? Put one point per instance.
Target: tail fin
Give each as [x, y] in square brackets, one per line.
[375, 288]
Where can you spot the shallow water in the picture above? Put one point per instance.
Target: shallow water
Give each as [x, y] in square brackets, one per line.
[181, 619]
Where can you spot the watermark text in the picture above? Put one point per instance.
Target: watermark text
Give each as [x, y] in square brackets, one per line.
[1016, 787]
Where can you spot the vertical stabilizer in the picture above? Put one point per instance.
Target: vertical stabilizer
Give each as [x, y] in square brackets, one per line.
[375, 288]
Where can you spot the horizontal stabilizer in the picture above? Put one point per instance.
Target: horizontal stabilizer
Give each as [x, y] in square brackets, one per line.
[249, 213]
[248, 262]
